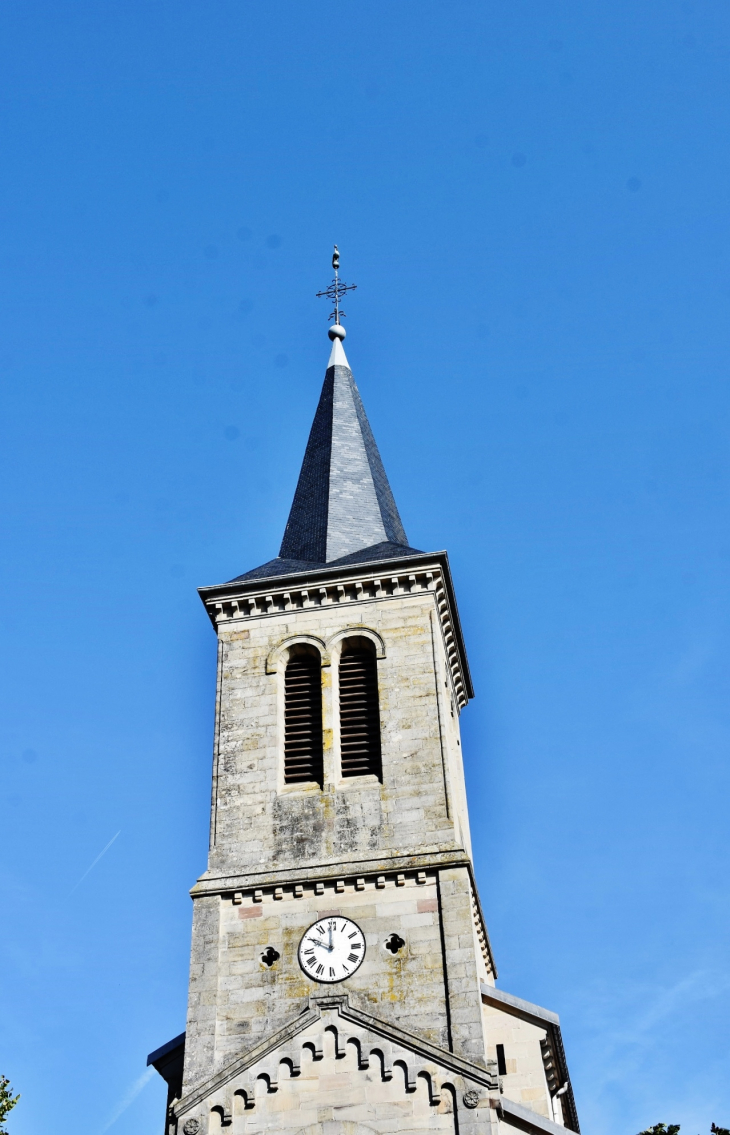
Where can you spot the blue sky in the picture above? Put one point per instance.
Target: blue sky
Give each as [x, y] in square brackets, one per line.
[533, 200]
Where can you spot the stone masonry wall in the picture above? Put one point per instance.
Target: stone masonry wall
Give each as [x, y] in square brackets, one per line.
[333, 848]
[260, 824]
[525, 1079]
[267, 1048]
[255, 999]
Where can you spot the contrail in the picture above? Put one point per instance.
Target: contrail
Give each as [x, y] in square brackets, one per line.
[133, 1091]
[93, 865]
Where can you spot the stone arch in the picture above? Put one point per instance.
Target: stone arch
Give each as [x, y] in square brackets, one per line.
[386, 1071]
[300, 657]
[278, 657]
[432, 1086]
[270, 1083]
[217, 1119]
[357, 718]
[409, 1080]
[448, 1103]
[314, 1047]
[334, 645]
[242, 1101]
[292, 1064]
[334, 1032]
[363, 1060]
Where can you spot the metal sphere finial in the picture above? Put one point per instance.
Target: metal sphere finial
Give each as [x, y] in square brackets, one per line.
[336, 331]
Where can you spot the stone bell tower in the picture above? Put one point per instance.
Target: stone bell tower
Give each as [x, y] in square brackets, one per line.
[342, 980]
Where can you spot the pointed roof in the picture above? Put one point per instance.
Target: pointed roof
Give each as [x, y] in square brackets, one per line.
[343, 501]
[343, 509]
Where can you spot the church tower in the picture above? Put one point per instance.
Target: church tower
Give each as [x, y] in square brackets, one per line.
[342, 980]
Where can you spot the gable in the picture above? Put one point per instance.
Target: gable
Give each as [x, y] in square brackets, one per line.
[336, 1065]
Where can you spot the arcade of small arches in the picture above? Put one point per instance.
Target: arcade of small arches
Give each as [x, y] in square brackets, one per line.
[393, 1077]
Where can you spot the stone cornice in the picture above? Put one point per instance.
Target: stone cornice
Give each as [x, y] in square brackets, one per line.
[527, 1119]
[350, 872]
[209, 884]
[243, 600]
[413, 1042]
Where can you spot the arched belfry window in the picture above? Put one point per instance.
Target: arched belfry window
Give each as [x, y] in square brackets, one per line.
[303, 718]
[359, 711]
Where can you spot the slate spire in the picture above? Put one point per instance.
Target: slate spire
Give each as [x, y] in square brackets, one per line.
[343, 510]
[343, 503]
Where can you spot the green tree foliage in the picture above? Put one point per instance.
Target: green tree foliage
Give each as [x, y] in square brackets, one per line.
[662, 1129]
[7, 1103]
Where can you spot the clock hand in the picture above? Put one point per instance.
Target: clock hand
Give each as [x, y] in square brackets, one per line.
[330, 947]
[317, 942]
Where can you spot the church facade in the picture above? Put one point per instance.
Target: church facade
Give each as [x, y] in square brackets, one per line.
[342, 980]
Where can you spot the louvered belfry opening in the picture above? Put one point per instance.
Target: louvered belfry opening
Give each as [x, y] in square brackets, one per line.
[359, 712]
[303, 719]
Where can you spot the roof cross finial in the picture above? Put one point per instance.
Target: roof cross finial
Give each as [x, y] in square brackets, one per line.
[335, 292]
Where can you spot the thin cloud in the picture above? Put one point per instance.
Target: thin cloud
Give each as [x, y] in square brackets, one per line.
[93, 865]
[630, 1026]
[129, 1098]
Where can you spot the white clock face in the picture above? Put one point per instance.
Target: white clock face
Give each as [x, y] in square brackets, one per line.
[332, 949]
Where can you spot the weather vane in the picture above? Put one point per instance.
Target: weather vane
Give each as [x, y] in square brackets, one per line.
[335, 292]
